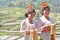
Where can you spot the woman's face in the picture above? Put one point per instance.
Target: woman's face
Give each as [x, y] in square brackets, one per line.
[46, 12]
[31, 16]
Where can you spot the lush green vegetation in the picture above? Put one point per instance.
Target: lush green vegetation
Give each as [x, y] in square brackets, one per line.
[54, 5]
[12, 14]
[16, 15]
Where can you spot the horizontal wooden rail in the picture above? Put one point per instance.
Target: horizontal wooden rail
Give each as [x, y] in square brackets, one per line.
[57, 33]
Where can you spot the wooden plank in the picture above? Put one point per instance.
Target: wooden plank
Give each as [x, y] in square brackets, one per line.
[21, 38]
[13, 37]
[8, 31]
[57, 33]
[3, 37]
[57, 37]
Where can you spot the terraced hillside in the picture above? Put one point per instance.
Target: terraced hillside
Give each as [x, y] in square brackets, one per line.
[10, 21]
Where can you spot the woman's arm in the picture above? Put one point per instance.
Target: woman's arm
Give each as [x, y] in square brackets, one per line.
[23, 26]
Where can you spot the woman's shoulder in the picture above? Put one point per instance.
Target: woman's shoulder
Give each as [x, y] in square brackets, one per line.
[24, 21]
[41, 18]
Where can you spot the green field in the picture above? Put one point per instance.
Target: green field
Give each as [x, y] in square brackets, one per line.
[12, 14]
[11, 18]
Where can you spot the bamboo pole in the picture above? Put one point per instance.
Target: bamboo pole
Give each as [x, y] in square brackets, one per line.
[52, 32]
[33, 34]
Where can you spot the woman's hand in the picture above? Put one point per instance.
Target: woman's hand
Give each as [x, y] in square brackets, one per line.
[46, 25]
[54, 25]
[45, 28]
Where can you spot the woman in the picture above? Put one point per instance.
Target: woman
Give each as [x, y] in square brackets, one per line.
[29, 23]
[44, 23]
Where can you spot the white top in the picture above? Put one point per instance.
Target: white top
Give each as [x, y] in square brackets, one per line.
[43, 21]
[28, 26]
